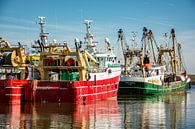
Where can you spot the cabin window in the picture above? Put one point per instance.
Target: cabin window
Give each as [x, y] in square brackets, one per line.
[98, 59]
[102, 61]
[157, 72]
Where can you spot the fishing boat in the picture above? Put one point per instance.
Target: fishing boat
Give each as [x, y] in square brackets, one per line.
[75, 75]
[79, 75]
[144, 73]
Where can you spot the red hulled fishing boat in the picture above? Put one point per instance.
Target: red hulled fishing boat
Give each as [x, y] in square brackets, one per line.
[62, 74]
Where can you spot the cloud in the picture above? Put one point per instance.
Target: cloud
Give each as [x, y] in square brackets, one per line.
[27, 31]
[18, 24]
[18, 27]
[25, 22]
[163, 23]
[150, 21]
[17, 20]
[132, 19]
[71, 28]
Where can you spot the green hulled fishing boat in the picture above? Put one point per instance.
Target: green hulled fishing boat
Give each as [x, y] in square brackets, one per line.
[152, 69]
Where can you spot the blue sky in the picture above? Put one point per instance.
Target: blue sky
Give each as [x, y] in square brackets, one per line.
[65, 18]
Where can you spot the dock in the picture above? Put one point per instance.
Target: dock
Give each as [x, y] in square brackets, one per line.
[192, 77]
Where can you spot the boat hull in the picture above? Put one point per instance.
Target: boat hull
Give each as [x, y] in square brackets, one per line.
[13, 91]
[58, 91]
[133, 87]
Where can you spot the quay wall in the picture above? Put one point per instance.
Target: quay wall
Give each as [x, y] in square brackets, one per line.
[192, 76]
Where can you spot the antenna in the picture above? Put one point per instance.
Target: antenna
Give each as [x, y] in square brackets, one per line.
[89, 37]
[88, 26]
[43, 35]
[41, 22]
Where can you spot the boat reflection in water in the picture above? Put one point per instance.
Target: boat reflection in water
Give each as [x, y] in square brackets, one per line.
[128, 112]
[153, 111]
[99, 114]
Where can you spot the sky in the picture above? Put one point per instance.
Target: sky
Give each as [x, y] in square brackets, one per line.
[64, 21]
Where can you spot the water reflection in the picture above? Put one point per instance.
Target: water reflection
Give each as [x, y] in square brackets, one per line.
[99, 114]
[129, 112]
[168, 111]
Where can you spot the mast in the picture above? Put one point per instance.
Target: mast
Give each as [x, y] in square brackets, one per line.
[144, 38]
[180, 57]
[125, 52]
[43, 36]
[89, 36]
[88, 26]
[174, 51]
[121, 38]
[152, 44]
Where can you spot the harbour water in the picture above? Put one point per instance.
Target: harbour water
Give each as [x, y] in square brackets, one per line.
[128, 112]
